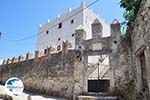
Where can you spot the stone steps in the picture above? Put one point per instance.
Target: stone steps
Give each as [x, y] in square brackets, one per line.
[96, 96]
[82, 97]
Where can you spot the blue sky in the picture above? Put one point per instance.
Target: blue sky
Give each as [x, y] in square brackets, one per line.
[21, 18]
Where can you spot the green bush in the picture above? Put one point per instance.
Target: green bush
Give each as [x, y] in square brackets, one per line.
[131, 9]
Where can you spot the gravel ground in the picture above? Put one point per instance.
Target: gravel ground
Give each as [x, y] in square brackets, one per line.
[25, 96]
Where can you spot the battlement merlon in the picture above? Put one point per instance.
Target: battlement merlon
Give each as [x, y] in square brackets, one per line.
[21, 58]
[43, 27]
[14, 60]
[29, 56]
[4, 62]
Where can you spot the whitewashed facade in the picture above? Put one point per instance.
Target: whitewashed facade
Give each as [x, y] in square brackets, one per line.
[63, 28]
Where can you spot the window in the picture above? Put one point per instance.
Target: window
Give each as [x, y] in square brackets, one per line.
[72, 35]
[115, 42]
[72, 21]
[45, 51]
[79, 47]
[59, 39]
[143, 69]
[47, 32]
[60, 25]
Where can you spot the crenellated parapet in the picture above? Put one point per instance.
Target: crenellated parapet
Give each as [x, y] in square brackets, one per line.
[97, 43]
[64, 48]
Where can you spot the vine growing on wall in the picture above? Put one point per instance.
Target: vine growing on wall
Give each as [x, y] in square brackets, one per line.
[131, 9]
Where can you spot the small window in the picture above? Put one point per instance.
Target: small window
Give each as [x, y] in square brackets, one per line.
[60, 25]
[72, 21]
[72, 35]
[79, 47]
[59, 39]
[47, 32]
[115, 42]
[45, 51]
[143, 69]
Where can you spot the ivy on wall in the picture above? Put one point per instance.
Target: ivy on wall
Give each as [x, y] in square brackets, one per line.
[131, 9]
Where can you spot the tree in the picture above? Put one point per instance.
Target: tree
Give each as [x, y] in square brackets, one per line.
[131, 9]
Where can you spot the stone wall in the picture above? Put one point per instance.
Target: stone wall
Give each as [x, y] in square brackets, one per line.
[120, 57]
[130, 57]
[52, 74]
[140, 37]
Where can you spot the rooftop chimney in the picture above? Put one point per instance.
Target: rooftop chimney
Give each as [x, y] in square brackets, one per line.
[58, 15]
[69, 10]
[48, 20]
[82, 4]
[40, 25]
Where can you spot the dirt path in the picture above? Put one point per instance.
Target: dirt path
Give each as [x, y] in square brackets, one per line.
[24, 96]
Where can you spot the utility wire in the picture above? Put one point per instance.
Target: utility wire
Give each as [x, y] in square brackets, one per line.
[0, 35]
[34, 35]
[52, 40]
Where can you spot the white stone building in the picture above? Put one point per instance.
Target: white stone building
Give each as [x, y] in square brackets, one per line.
[63, 27]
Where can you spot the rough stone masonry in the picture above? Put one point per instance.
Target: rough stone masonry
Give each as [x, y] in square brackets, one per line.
[130, 57]
[62, 73]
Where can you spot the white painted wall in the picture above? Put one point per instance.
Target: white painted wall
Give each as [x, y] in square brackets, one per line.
[84, 18]
[89, 18]
[65, 33]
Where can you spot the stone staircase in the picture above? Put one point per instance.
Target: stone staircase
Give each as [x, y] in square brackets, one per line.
[97, 96]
